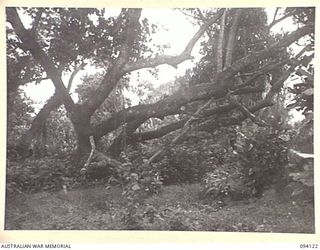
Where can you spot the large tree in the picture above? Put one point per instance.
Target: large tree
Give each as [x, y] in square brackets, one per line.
[241, 58]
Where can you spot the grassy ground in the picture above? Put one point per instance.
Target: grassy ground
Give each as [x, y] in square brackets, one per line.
[175, 208]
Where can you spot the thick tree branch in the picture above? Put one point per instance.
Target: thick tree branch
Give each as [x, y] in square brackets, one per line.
[124, 137]
[185, 129]
[232, 37]
[172, 104]
[167, 106]
[114, 74]
[39, 121]
[218, 122]
[215, 123]
[267, 68]
[276, 87]
[256, 56]
[133, 137]
[220, 45]
[29, 42]
[149, 135]
[173, 60]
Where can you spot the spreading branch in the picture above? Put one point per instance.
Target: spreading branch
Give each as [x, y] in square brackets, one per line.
[256, 56]
[275, 21]
[216, 121]
[172, 104]
[169, 59]
[114, 74]
[246, 112]
[203, 19]
[39, 121]
[30, 43]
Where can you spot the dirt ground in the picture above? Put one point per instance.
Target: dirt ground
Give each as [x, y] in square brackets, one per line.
[176, 208]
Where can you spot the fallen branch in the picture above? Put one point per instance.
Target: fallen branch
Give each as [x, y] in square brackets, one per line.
[93, 148]
[101, 159]
[186, 128]
[247, 112]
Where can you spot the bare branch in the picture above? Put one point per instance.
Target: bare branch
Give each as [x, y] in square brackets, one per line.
[279, 83]
[185, 129]
[103, 160]
[212, 124]
[169, 59]
[275, 14]
[74, 73]
[305, 73]
[93, 148]
[275, 21]
[202, 18]
[247, 112]
[269, 67]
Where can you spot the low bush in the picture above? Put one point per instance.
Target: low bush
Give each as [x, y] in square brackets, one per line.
[191, 160]
[258, 162]
[34, 175]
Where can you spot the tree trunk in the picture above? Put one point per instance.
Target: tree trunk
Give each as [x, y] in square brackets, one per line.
[83, 129]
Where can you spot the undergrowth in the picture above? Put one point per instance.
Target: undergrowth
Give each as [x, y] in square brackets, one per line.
[175, 208]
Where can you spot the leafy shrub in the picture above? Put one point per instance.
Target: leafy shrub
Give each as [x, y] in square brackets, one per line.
[190, 161]
[265, 160]
[34, 175]
[226, 181]
[257, 162]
